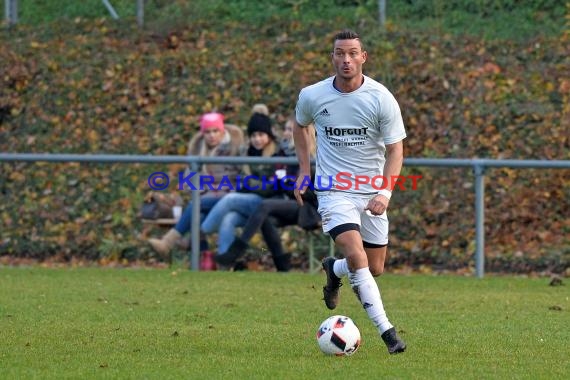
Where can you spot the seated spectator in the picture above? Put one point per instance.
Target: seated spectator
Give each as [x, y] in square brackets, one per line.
[215, 139]
[270, 214]
[262, 143]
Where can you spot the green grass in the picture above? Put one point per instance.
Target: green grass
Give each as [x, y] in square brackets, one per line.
[488, 19]
[153, 323]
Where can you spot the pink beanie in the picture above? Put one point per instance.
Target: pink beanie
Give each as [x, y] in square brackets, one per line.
[212, 120]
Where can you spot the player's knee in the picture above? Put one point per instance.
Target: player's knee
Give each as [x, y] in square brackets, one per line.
[376, 270]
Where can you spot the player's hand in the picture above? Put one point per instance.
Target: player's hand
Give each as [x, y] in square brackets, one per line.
[300, 188]
[377, 205]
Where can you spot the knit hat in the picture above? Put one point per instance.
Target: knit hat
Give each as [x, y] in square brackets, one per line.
[259, 123]
[212, 120]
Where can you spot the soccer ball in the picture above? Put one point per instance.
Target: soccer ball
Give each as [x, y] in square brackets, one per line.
[338, 335]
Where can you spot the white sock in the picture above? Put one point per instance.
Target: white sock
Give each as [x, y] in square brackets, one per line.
[368, 293]
[340, 268]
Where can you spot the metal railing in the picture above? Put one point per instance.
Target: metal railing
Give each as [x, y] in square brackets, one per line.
[11, 11]
[478, 165]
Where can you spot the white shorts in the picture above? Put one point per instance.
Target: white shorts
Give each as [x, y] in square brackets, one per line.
[338, 207]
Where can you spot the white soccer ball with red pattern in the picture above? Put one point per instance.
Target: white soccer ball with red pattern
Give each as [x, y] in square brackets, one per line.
[338, 335]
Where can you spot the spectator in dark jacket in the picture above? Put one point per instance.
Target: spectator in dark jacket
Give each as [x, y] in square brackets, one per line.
[234, 208]
[272, 213]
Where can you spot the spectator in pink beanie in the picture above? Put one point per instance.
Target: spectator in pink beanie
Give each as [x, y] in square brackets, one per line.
[215, 139]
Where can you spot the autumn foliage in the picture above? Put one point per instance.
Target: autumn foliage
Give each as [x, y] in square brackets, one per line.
[95, 87]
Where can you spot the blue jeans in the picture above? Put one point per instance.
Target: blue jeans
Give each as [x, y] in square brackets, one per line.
[229, 213]
[227, 230]
[207, 203]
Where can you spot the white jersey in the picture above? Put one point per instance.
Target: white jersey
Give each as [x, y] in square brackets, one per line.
[352, 132]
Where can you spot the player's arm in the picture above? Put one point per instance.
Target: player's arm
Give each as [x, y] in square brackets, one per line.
[392, 169]
[393, 164]
[302, 148]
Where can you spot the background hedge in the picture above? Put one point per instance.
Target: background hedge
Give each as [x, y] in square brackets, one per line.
[99, 86]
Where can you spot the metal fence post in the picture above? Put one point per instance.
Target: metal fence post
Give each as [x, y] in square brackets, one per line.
[382, 12]
[479, 171]
[11, 12]
[195, 230]
[140, 13]
[110, 9]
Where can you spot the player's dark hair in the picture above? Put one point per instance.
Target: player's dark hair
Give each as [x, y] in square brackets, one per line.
[348, 34]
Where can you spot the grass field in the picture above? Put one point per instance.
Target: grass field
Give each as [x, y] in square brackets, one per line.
[157, 323]
[485, 18]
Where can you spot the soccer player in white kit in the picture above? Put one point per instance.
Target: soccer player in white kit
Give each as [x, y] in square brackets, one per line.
[359, 150]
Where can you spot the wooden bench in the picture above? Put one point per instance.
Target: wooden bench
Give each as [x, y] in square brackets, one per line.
[149, 223]
[313, 245]
[161, 222]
